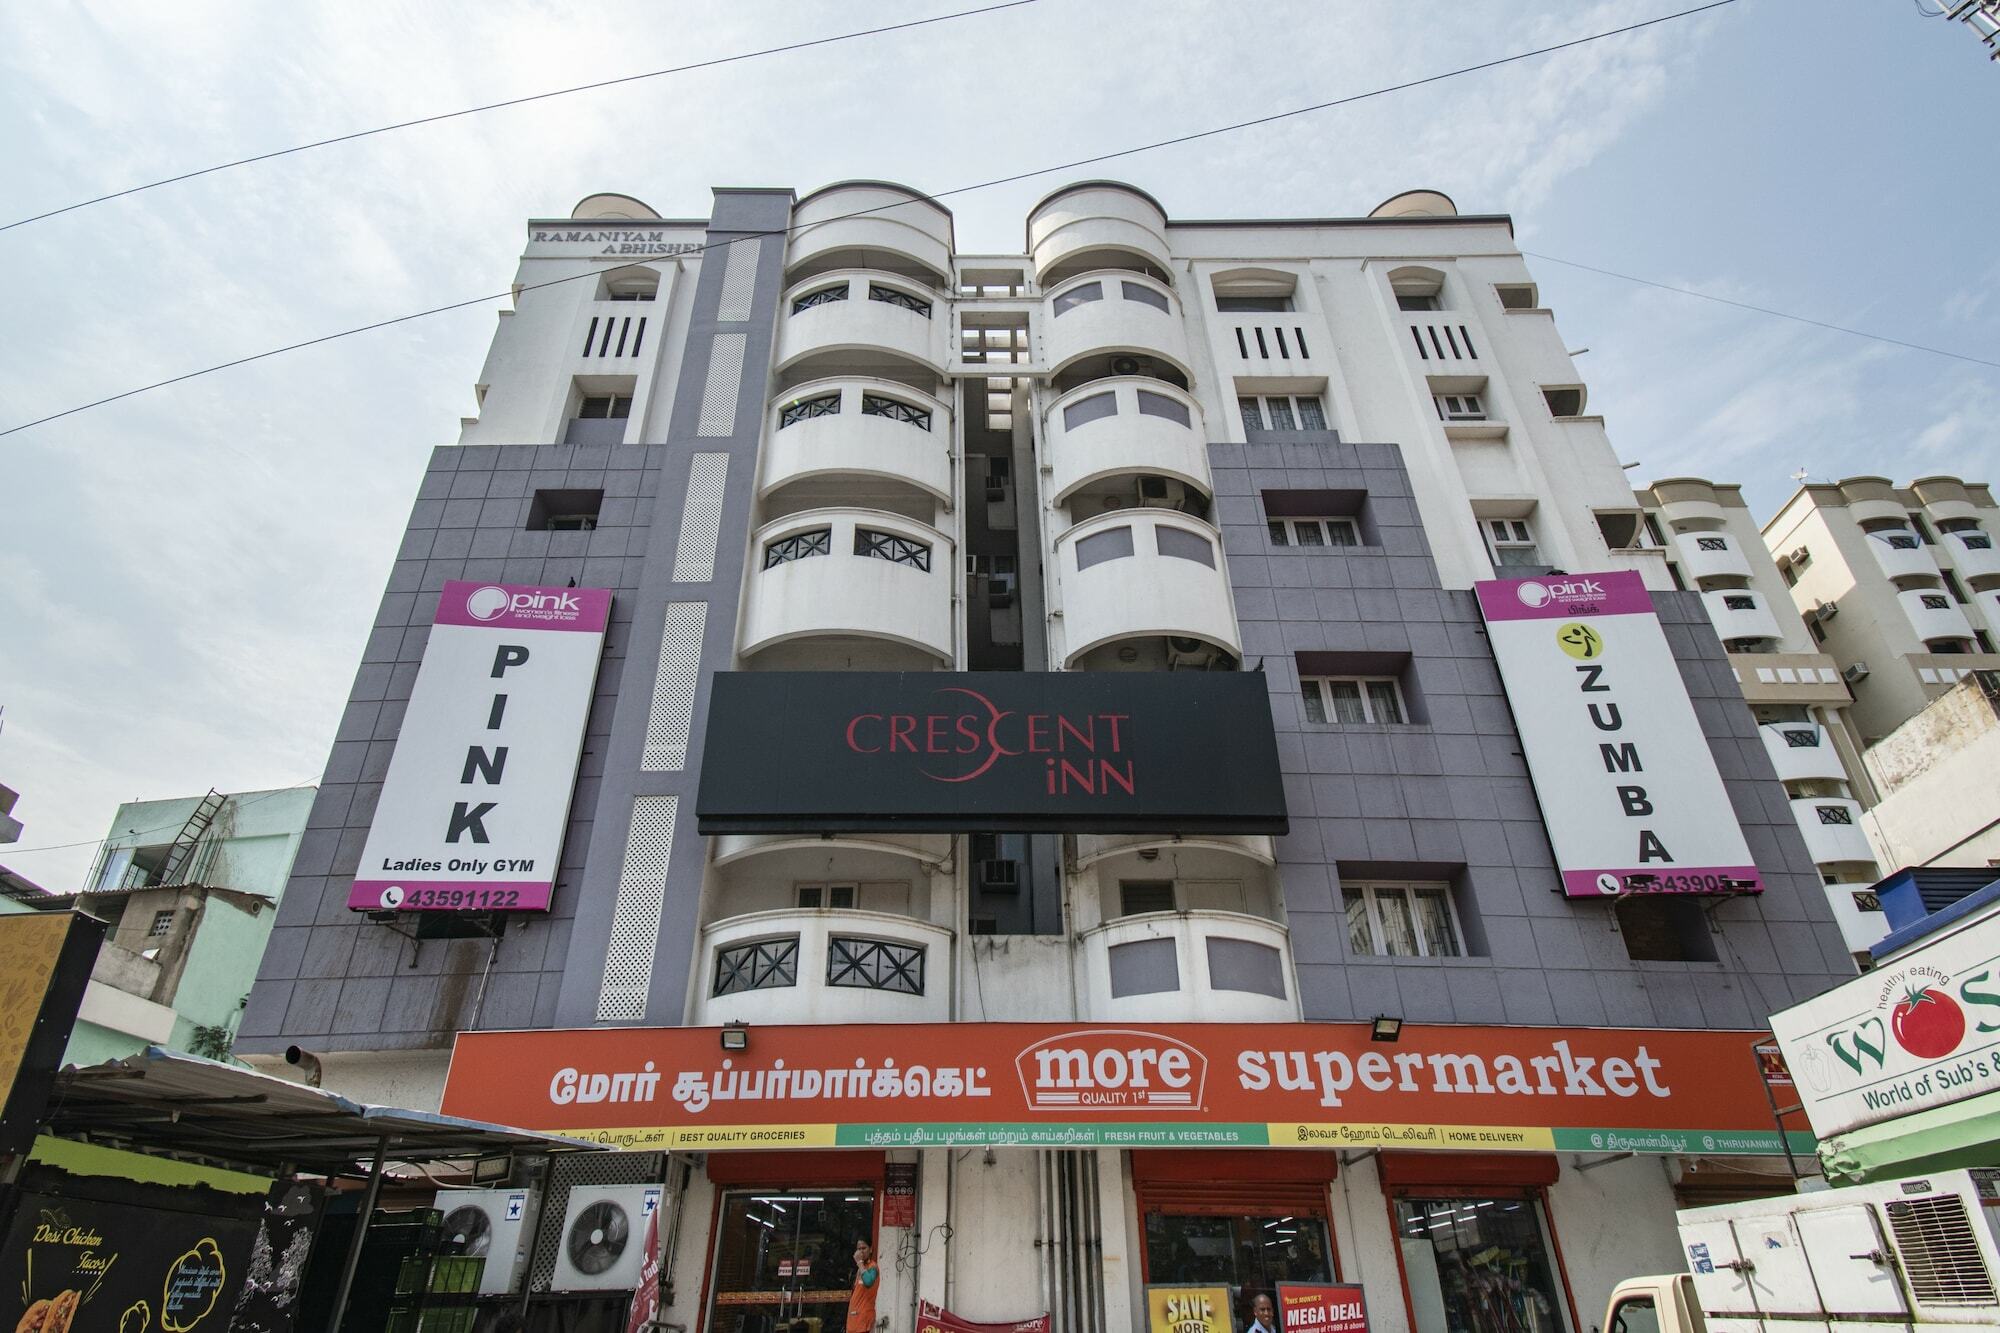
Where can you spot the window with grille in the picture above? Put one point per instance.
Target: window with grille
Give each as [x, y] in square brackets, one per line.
[897, 550]
[879, 405]
[1511, 541]
[1459, 406]
[1740, 601]
[820, 297]
[1081, 294]
[608, 407]
[1314, 532]
[1402, 920]
[1801, 738]
[1897, 540]
[1283, 412]
[1353, 700]
[1139, 896]
[762, 965]
[916, 305]
[1835, 814]
[840, 897]
[875, 965]
[1973, 540]
[162, 923]
[819, 405]
[1711, 544]
[1934, 601]
[798, 546]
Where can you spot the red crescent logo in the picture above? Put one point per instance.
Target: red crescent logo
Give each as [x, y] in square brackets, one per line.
[996, 750]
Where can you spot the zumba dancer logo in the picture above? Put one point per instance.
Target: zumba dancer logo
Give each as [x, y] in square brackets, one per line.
[1580, 641]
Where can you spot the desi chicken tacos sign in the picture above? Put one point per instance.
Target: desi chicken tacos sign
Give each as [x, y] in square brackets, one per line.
[78, 1264]
[1177, 1085]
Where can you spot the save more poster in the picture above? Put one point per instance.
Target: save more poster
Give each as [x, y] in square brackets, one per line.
[81, 1266]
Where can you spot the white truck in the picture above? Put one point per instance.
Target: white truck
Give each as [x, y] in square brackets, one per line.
[1900, 1255]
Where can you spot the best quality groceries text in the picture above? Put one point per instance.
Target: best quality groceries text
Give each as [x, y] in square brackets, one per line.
[1092, 1073]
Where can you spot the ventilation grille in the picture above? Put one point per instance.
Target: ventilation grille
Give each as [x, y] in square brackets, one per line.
[1939, 1252]
[574, 1170]
[739, 281]
[635, 920]
[672, 714]
[701, 518]
[724, 386]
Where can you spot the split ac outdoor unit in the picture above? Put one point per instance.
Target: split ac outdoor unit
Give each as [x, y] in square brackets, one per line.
[1826, 611]
[604, 1237]
[489, 1225]
[1800, 556]
[1854, 671]
[1186, 654]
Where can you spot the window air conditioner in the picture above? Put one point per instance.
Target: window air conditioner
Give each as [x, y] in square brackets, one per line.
[1132, 365]
[1826, 611]
[1800, 556]
[1854, 671]
[998, 876]
[1157, 492]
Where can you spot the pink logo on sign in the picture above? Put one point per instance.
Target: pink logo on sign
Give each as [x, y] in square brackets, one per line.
[518, 606]
[488, 603]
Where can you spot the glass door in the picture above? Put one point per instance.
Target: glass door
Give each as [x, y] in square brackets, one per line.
[784, 1259]
[1479, 1264]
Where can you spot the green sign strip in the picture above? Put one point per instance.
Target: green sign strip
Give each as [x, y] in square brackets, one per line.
[1036, 1134]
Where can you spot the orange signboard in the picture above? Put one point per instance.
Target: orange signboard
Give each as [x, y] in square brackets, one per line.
[1491, 1089]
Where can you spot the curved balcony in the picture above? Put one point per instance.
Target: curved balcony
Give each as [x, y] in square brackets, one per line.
[1139, 573]
[898, 230]
[1185, 967]
[1091, 219]
[1989, 606]
[1802, 752]
[1091, 848]
[1872, 500]
[1901, 554]
[1113, 312]
[856, 320]
[1708, 555]
[1933, 615]
[796, 966]
[1738, 613]
[831, 857]
[1976, 555]
[1944, 498]
[1861, 929]
[857, 573]
[864, 428]
[1127, 425]
[1832, 829]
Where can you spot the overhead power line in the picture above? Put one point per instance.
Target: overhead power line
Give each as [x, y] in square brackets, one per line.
[143, 832]
[593, 274]
[516, 101]
[1765, 310]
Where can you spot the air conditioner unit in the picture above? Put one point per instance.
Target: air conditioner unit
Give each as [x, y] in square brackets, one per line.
[1184, 654]
[996, 491]
[604, 1237]
[1826, 611]
[489, 1225]
[1854, 671]
[1000, 592]
[1800, 556]
[1131, 365]
[997, 876]
[1159, 492]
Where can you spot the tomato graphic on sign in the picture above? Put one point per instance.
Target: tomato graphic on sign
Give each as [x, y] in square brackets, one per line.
[1928, 1023]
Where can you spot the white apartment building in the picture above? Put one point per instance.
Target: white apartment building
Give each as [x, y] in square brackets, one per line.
[1161, 759]
[1710, 542]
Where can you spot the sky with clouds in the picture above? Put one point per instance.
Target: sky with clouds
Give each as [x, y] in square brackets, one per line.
[187, 577]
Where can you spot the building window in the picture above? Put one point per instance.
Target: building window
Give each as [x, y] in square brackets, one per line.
[163, 921]
[607, 407]
[1985, 644]
[1801, 738]
[1252, 305]
[762, 965]
[916, 305]
[1834, 814]
[1314, 532]
[1137, 897]
[1402, 920]
[1923, 529]
[1951, 586]
[878, 405]
[1739, 601]
[1144, 295]
[820, 297]
[1184, 545]
[1898, 540]
[564, 511]
[897, 550]
[632, 287]
[1972, 539]
[1511, 541]
[1283, 412]
[1098, 547]
[1564, 400]
[1711, 544]
[1086, 410]
[1459, 407]
[1664, 928]
[1417, 301]
[1934, 601]
[819, 405]
[1159, 405]
[798, 546]
[840, 897]
[1516, 295]
[875, 965]
[1349, 700]
[1081, 294]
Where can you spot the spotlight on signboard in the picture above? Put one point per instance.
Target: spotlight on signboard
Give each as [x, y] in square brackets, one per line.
[736, 1037]
[1385, 1028]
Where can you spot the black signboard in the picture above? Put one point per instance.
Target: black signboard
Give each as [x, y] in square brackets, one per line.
[1084, 752]
[81, 1264]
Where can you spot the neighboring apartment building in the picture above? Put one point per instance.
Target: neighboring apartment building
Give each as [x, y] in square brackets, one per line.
[1936, 775]
[188, 889]
[1710, 542]
[1057, 678]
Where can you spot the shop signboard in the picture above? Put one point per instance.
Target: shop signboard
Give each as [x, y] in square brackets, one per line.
[937, 1319]
[476, 799]
[1092, 751]
[1178, 1309]
[1920, 1031]
[1632, 798]
[1321, 1307]
[1324, 1085]
[45, 963]
[79, 1263]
